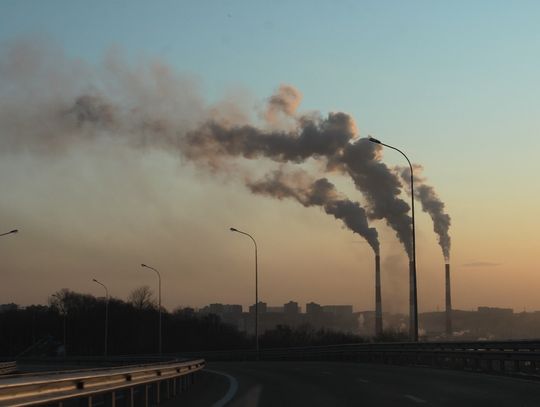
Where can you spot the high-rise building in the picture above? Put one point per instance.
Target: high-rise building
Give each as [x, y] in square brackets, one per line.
[313, 308]
[291, 308]
[262, 307]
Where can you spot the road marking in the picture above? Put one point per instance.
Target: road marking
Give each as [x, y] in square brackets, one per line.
[233, 388]
[415, 399]
[359, 379]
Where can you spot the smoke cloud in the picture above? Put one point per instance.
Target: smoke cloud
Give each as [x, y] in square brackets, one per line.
[284, 101]
[431, 203]
[331, 138]
[321, 192]
[48, 103]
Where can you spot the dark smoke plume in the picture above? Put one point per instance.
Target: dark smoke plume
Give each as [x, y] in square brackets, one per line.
[48, 102]
[331, 138]
[316, 137]
[320, 192]
[431, 203]
[380, 186]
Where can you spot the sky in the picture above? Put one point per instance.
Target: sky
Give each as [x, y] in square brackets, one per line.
[453, 84]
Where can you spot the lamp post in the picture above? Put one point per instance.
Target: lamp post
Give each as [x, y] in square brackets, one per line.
[10, 232]
[159, 304]
[413, 324]
[256, 291]
[106, 313]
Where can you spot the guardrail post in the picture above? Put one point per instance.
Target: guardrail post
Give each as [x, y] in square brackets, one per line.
[146, 388]
[87, 401]
[130, 397]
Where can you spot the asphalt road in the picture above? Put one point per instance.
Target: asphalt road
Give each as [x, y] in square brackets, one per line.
[262, 384]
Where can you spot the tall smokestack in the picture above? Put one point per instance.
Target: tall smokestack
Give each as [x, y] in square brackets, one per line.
[378, 300]
[412, 311]
[448, 302]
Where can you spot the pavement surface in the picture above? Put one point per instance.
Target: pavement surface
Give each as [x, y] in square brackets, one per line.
[262, 384]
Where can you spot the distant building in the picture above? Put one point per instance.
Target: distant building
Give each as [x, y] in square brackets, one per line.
[262, 308]
[234, 309]
[313, 308]
[338, 309]
[217, 309]
[336, 317]
[291, 308]
[221, 309]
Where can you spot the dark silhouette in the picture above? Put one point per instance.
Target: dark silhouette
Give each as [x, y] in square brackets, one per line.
[306, 335]
[38, 330]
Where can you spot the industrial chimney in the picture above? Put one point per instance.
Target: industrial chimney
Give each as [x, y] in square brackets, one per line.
[448, 302]
[378, 300]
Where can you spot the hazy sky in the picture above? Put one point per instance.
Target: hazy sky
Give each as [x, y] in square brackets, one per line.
[454, 84]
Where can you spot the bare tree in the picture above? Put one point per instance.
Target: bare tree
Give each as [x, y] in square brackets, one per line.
[142, 298]
[59, 300]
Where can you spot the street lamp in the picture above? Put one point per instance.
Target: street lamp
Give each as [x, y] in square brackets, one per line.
[10, 232]
[106, 313]
[256, 291]
[413, 324]
[159, 301]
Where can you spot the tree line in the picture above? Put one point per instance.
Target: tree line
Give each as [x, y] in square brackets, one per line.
[73, 324]
[39, 330]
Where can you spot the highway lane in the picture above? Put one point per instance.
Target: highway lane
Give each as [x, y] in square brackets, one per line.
[262, 384]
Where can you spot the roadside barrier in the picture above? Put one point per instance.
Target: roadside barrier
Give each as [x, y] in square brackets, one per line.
[508, 357]
[141, 385]
[7, 367]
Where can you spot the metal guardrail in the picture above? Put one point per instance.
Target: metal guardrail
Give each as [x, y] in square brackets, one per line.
[133, 385]
[7, 367]
[83, 362]
[509, 357]
[509, 361]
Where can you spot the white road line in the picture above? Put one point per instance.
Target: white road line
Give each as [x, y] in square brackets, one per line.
[359, 379]
[415, 399]
[233, 388]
